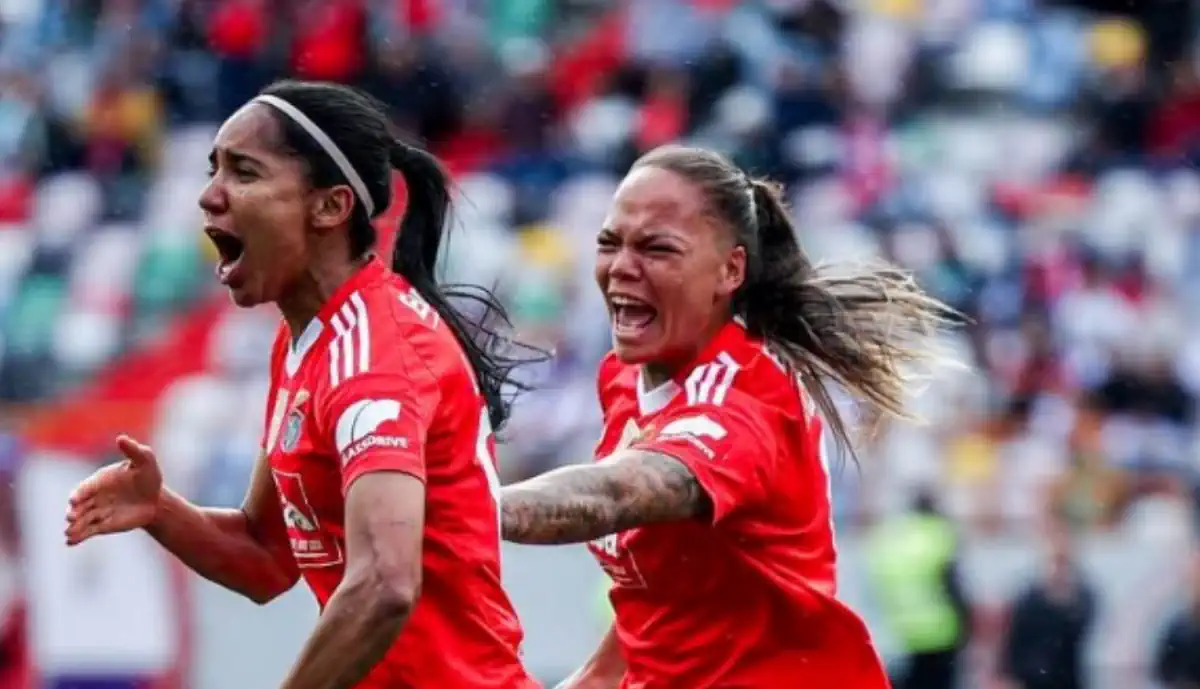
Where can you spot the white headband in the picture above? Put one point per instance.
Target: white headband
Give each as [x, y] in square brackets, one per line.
[331, 149]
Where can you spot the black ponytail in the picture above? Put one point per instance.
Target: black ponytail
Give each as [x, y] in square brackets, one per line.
[415, 256]
[868, 330]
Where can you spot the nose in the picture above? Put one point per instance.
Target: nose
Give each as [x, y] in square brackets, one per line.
[624, 266]
[213, 199]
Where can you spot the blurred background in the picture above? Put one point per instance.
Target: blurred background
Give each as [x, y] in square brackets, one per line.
[1033, 161]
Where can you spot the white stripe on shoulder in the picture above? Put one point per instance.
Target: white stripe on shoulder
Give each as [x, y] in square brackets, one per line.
[350, 348]
[710, 383]
[364, 338]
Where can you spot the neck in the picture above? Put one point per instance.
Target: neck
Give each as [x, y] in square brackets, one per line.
[312, 291]
[658, 372]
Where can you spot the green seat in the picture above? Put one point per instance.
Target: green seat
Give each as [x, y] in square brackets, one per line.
[33, 313]
[168, 275]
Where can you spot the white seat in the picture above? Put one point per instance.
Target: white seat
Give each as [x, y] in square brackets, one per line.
[480, 254]
[103, 268]
[602, 125]
[186, 150]
[483, 198]
[16, 248]
[84, 339]
[64, 206]
[172, 206]
[995, 56]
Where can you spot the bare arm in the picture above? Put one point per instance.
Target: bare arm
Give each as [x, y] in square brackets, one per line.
[385, 519]
[245, 550]
[603, 670]
[576, 504]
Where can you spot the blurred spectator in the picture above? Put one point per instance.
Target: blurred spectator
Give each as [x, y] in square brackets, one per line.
[915, 567]
[14, 660]
[1177, 656]
[329, 39]
[1050, 622]
[1175, 127]
[121, 126]
[420, 92]
[239, 38]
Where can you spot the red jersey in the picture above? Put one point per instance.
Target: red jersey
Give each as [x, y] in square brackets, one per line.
[377, 382]
[746, 599]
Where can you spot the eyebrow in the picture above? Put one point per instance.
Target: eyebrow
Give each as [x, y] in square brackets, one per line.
[235, 156]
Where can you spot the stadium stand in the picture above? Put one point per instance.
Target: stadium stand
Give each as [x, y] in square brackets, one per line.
[1032, 162]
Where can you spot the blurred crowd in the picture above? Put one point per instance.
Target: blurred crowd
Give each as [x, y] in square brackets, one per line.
[1031, 161]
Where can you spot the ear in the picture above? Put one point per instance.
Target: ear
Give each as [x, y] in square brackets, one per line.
[732, 272]
[332, 208]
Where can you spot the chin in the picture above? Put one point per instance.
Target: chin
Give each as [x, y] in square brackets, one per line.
[244, 298]
[634, 352]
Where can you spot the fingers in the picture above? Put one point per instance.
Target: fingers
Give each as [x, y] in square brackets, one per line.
[85, 492]
[134, 451]
[83, 525]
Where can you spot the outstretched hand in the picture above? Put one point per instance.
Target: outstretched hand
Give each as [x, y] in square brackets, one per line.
[119, 497]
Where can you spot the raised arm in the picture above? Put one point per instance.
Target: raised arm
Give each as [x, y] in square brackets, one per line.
[245, 550]
[603, 670]
[704, 462]
[576, 504]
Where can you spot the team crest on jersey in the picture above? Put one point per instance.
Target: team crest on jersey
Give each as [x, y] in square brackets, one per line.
[294, 424]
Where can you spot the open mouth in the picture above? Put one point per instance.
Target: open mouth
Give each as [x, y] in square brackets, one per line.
[229, 248]
[630, 316]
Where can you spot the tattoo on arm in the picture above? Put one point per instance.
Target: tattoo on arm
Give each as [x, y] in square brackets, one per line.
[576, 504]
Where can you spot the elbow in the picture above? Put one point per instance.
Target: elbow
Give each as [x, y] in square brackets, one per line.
[386, 594]
[397, 602]
[272, 586]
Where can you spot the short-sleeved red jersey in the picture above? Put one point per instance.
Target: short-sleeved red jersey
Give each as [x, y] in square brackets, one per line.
[377, 382]
[746, 599]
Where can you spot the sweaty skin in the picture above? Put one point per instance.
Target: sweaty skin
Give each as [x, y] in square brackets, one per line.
[579, 503]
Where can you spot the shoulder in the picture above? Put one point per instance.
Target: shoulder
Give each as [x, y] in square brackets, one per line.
[746, 376]
[383, 330]
[614, 378]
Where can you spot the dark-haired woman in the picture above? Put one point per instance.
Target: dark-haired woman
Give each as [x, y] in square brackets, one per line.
[709, 504]
[376, 481]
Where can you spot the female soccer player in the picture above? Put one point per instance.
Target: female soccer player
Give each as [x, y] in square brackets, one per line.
[376, 481]
[709, 506]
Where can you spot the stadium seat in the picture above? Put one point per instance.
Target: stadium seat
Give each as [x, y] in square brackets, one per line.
[16, 248]
[83, 339]
[168, 274]
[33, 313]
[102, 272]
[65, 206]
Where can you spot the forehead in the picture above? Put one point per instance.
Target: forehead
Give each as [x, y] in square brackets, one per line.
[651, 195]
[251, 130]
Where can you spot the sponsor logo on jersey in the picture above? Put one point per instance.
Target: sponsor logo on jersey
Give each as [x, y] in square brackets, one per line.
[295, 519]
[695, 430]
[312, 546]
[384, 441]
[617, 560]
[356, 430]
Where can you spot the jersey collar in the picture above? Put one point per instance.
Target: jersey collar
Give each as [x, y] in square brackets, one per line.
[374, 270]
[653, 400]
